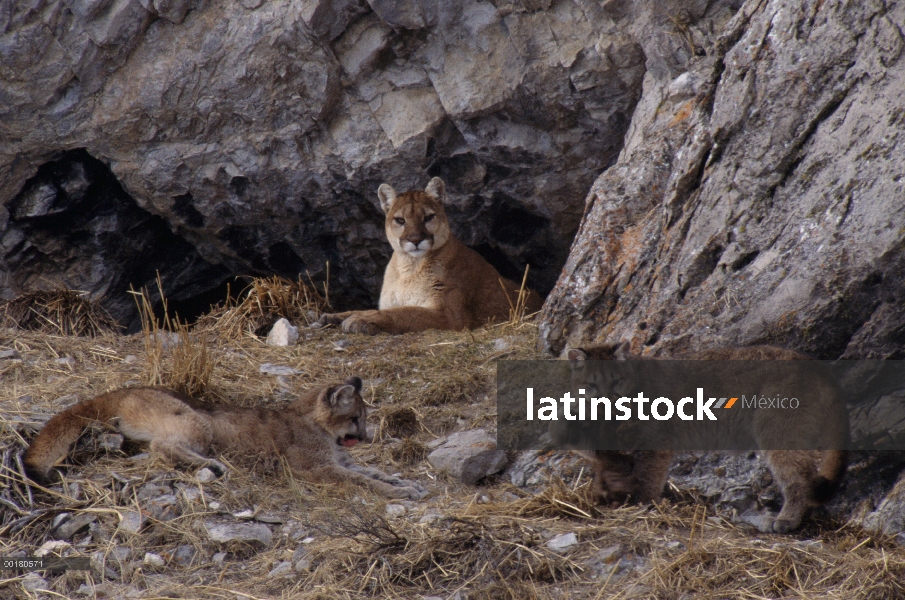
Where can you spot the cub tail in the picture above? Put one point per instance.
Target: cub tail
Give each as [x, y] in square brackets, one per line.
[829, 475]
[57, 437]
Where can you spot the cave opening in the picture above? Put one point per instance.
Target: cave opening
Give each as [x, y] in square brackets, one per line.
[73, 225]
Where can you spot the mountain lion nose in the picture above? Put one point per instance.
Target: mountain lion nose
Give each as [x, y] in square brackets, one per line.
[415, 238]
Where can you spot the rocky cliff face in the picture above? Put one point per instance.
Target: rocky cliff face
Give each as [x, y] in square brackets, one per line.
[759, 196]
[249, 137]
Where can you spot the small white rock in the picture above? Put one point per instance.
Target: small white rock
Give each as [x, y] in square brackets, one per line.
[283, 333]
[563, 542]
[205, 475]
[153, 560]
[395, 510]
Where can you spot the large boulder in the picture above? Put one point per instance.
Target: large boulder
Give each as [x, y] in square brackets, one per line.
[211, 139]
[758, 198]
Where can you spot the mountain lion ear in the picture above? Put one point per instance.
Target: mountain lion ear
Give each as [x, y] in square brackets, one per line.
[387, 196]
[342, 397]
[354, 382]
[436, 189]
[576, 354]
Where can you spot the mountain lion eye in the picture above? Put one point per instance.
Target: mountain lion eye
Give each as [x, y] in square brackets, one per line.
[399, 220]
[428, 218]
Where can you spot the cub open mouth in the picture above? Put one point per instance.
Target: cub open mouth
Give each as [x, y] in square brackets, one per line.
[349, 440]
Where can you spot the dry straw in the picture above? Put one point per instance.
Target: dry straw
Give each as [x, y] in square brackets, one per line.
[178, 358]
[518, 309]
[59, 311]
[262, 303]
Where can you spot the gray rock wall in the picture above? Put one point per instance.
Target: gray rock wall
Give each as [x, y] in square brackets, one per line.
[259, 131]
[759, 196]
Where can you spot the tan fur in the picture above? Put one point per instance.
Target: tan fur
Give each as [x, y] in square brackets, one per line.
[433, 281]
[310, 433]
[807, 478]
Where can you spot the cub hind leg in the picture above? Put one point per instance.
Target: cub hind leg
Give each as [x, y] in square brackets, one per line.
[173, 429]
[795, 472]
[638, 476]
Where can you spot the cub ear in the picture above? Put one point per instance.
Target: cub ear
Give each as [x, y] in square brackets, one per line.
[342, 398]
[623, 351]
[576, 354]
[436, 189]
[354, 382]
[387, 196]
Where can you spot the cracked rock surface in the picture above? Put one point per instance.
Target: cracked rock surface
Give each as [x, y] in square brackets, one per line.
[758, 198]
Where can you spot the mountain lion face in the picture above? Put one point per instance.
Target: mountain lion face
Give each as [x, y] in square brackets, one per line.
[343, 413]
[415, 222]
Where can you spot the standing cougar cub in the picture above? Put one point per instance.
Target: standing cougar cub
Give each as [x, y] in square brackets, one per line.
[807, 478]
[312, 433]
[433, 281]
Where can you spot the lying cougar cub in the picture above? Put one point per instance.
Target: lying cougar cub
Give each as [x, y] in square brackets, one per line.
[311, 433]
[433, 281]
[807, 478]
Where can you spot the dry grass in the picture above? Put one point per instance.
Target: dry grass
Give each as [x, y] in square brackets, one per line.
[263, 302]
[59, 311]
[518, 309]
[177, 357]
[482, 542]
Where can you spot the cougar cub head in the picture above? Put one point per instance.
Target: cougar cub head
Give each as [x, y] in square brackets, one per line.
[596, 379]
[342, 413]
[415, 223]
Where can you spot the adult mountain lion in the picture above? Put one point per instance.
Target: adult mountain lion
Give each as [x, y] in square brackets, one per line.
[807, 477]
[312, 433]
[433, 280]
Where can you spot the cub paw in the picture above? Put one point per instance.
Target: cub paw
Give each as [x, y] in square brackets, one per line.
[771, 524]
[326, 320]
[359, 325]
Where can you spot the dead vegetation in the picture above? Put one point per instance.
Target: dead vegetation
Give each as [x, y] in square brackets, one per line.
[490, 541]
[58, 311]
[262, 303]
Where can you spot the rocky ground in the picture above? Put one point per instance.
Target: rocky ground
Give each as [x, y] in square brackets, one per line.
[257, 532]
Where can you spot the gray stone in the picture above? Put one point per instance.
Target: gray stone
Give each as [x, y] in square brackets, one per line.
[185, 556]
[282, 569]
[205, 475]
[163, 508]
[889, 517]
[74, 526]
[283, 334]
[132, 522]
[563, 542]
[271, 369]
[395, 510]
[33, 582]
[239, 532]
[8, 354]
[468, 456]
[66, 361]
